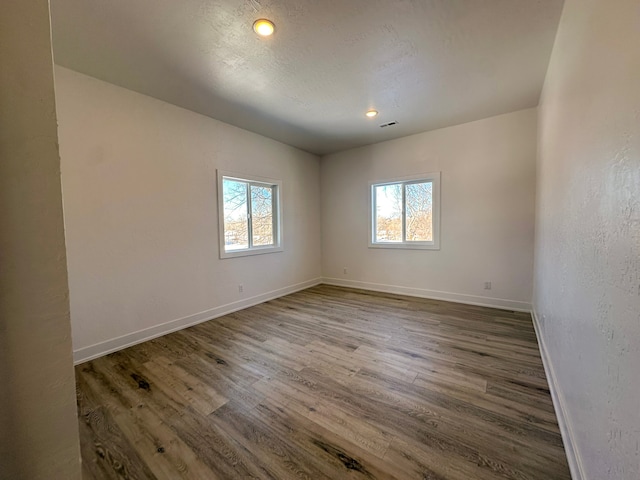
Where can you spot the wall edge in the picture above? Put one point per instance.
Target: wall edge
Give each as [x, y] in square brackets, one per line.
[503, 304]
[100, 349]
[568, 437]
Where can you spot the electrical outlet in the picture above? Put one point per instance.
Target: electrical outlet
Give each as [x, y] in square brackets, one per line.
[487, 285]
[344, 270]
[240, 288]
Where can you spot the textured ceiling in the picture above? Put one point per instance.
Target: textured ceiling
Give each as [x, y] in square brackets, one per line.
[423, 63]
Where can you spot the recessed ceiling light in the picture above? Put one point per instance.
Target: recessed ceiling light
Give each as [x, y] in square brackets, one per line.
[263, 27]
[371, 113]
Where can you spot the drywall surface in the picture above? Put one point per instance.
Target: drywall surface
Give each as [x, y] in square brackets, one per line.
[425, 63]
[487, 213]
[587, 267]
[38, 425]
[139, 181]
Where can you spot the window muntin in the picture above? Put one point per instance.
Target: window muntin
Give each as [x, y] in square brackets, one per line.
[249, 209]
[405, 213]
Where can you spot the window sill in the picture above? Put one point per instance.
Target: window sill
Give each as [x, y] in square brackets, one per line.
[249, 252]
[406, 246]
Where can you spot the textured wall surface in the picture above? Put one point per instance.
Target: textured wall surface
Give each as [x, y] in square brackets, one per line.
[141, 216]
[38, 425]
[487, 214]
[587, 273]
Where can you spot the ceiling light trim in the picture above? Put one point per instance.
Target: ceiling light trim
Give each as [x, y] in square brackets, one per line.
[264, 27]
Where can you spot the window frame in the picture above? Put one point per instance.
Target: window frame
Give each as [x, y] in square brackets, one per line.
[434, 244]
[250, 180]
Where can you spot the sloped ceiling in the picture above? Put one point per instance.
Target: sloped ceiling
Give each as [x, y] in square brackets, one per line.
[423, 63]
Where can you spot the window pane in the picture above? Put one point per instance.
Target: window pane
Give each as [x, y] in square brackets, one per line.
[236, 225]
[419, 203]
[389, 213]
[262, 215]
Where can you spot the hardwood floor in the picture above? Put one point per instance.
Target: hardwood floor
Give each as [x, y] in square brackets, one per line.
[327, 383]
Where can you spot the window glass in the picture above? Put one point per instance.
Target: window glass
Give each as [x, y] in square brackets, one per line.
[249, 215]
[236, 216]
[388, 213]
[406, 213]
[262, 215]
[419, 218]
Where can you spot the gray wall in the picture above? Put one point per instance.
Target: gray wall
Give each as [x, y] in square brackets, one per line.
[38, 427]
[587, 268]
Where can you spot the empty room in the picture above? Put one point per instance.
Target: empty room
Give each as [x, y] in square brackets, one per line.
[297, 239]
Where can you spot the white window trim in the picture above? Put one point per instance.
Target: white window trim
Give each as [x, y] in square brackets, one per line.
[278, 247]
[434, 178]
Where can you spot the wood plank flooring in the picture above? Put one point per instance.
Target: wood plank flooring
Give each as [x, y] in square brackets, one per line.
[327, 383]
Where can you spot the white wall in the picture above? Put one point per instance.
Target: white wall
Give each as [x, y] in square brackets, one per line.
[139, 183]
[487, 214]
[38, 426]
[587, 275]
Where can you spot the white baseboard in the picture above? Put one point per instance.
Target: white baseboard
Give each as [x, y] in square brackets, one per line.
[573, 456]
[103, 348]
[500, 303]
[109, 346]
[90, 352]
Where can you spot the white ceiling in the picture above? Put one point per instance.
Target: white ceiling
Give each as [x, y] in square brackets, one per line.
[424, 63]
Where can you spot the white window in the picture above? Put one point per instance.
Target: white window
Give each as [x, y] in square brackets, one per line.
[405, 213]
[249, 215]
